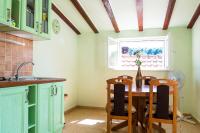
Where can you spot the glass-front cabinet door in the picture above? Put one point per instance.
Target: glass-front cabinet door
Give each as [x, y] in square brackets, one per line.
[30, 14]
[44, 18]
[10, 13]
[2, 11]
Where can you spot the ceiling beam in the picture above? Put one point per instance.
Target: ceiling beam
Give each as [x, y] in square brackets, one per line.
[194, 18]
[170, 9]
[62, 16]
[84, 15]
[139, 8]
[111, 15]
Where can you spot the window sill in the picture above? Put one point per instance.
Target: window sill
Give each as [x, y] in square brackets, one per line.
[131, 69]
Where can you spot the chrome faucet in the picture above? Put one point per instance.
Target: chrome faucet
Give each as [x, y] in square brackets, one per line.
[19, 67]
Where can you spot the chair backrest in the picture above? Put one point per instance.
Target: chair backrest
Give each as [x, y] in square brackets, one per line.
[119, 87]
[147, 79]
[126, 77]
[165, 88]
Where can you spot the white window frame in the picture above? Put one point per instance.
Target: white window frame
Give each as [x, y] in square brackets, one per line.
[161, 38]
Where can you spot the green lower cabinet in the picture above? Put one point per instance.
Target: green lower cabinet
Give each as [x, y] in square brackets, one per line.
[50, 108]
[32, 109]
[58, 108]
[14, 110]
[44, 108]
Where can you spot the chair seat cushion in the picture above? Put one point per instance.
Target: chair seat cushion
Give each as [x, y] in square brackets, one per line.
[126, 99]
[170, 117]
[125, 109]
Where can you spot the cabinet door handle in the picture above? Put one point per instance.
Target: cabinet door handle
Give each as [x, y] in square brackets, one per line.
[56, 90]
[40, 28]
[37, 26]
[8, 14]
[26, 101]
[52, 90]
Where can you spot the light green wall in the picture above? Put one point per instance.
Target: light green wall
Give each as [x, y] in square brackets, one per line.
[58, 58]
[93, 70]
[196, 69]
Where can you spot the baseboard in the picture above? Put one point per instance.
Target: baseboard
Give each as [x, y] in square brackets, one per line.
[70, 110]
[90, 107]
[83, 107]
[196, 120]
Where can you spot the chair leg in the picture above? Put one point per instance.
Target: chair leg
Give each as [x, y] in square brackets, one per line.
[133, 125]
[130, 126]
[174, 128]
[160, 125]
[108, 124]
[150, 127]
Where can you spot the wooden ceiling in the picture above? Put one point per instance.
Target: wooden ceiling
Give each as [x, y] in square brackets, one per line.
[69, 23]
[139, 7]
[84, 15]
[170, 9]
[110, 14]
[194, 18]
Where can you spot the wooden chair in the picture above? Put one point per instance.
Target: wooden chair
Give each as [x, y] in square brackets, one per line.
[165, 88]
[126, 77]
[147, 79]
[119, 109]
[143, 102]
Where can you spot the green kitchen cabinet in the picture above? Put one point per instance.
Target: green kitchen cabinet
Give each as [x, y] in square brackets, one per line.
[44, 108]
[36, 17]
[10, 15]
[45, 18]
[50, 108]
[58, 108]
[30, 15]
[14, 110]
[3, 12]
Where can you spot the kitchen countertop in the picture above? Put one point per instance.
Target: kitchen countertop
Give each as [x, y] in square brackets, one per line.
[14, 83]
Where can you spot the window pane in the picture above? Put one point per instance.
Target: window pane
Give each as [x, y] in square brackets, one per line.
[112, 53]
[152, 54]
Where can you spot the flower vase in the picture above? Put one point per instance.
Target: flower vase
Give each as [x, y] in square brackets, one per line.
[138, 79]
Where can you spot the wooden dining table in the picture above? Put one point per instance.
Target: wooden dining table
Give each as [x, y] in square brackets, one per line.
[139, 102]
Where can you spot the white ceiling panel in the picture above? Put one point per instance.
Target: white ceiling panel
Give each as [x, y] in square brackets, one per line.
[154, 12]
[72, 14]
[183, 12]
[97, 13]
[125, 14]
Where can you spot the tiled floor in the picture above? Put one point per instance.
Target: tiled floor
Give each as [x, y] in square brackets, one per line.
[94, 121]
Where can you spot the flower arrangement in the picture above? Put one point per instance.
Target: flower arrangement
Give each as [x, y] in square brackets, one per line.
[138, 62]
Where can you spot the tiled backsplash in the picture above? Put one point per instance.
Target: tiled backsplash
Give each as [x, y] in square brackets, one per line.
[11, 55]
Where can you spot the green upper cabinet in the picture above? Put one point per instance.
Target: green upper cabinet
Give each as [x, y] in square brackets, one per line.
[10, 15]
[3, 11]
[14, 110]
[45, 18]
[36, 17]
[30, 13]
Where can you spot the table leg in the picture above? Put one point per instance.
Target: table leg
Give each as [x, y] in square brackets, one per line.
[135, 104]
[141, 110]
